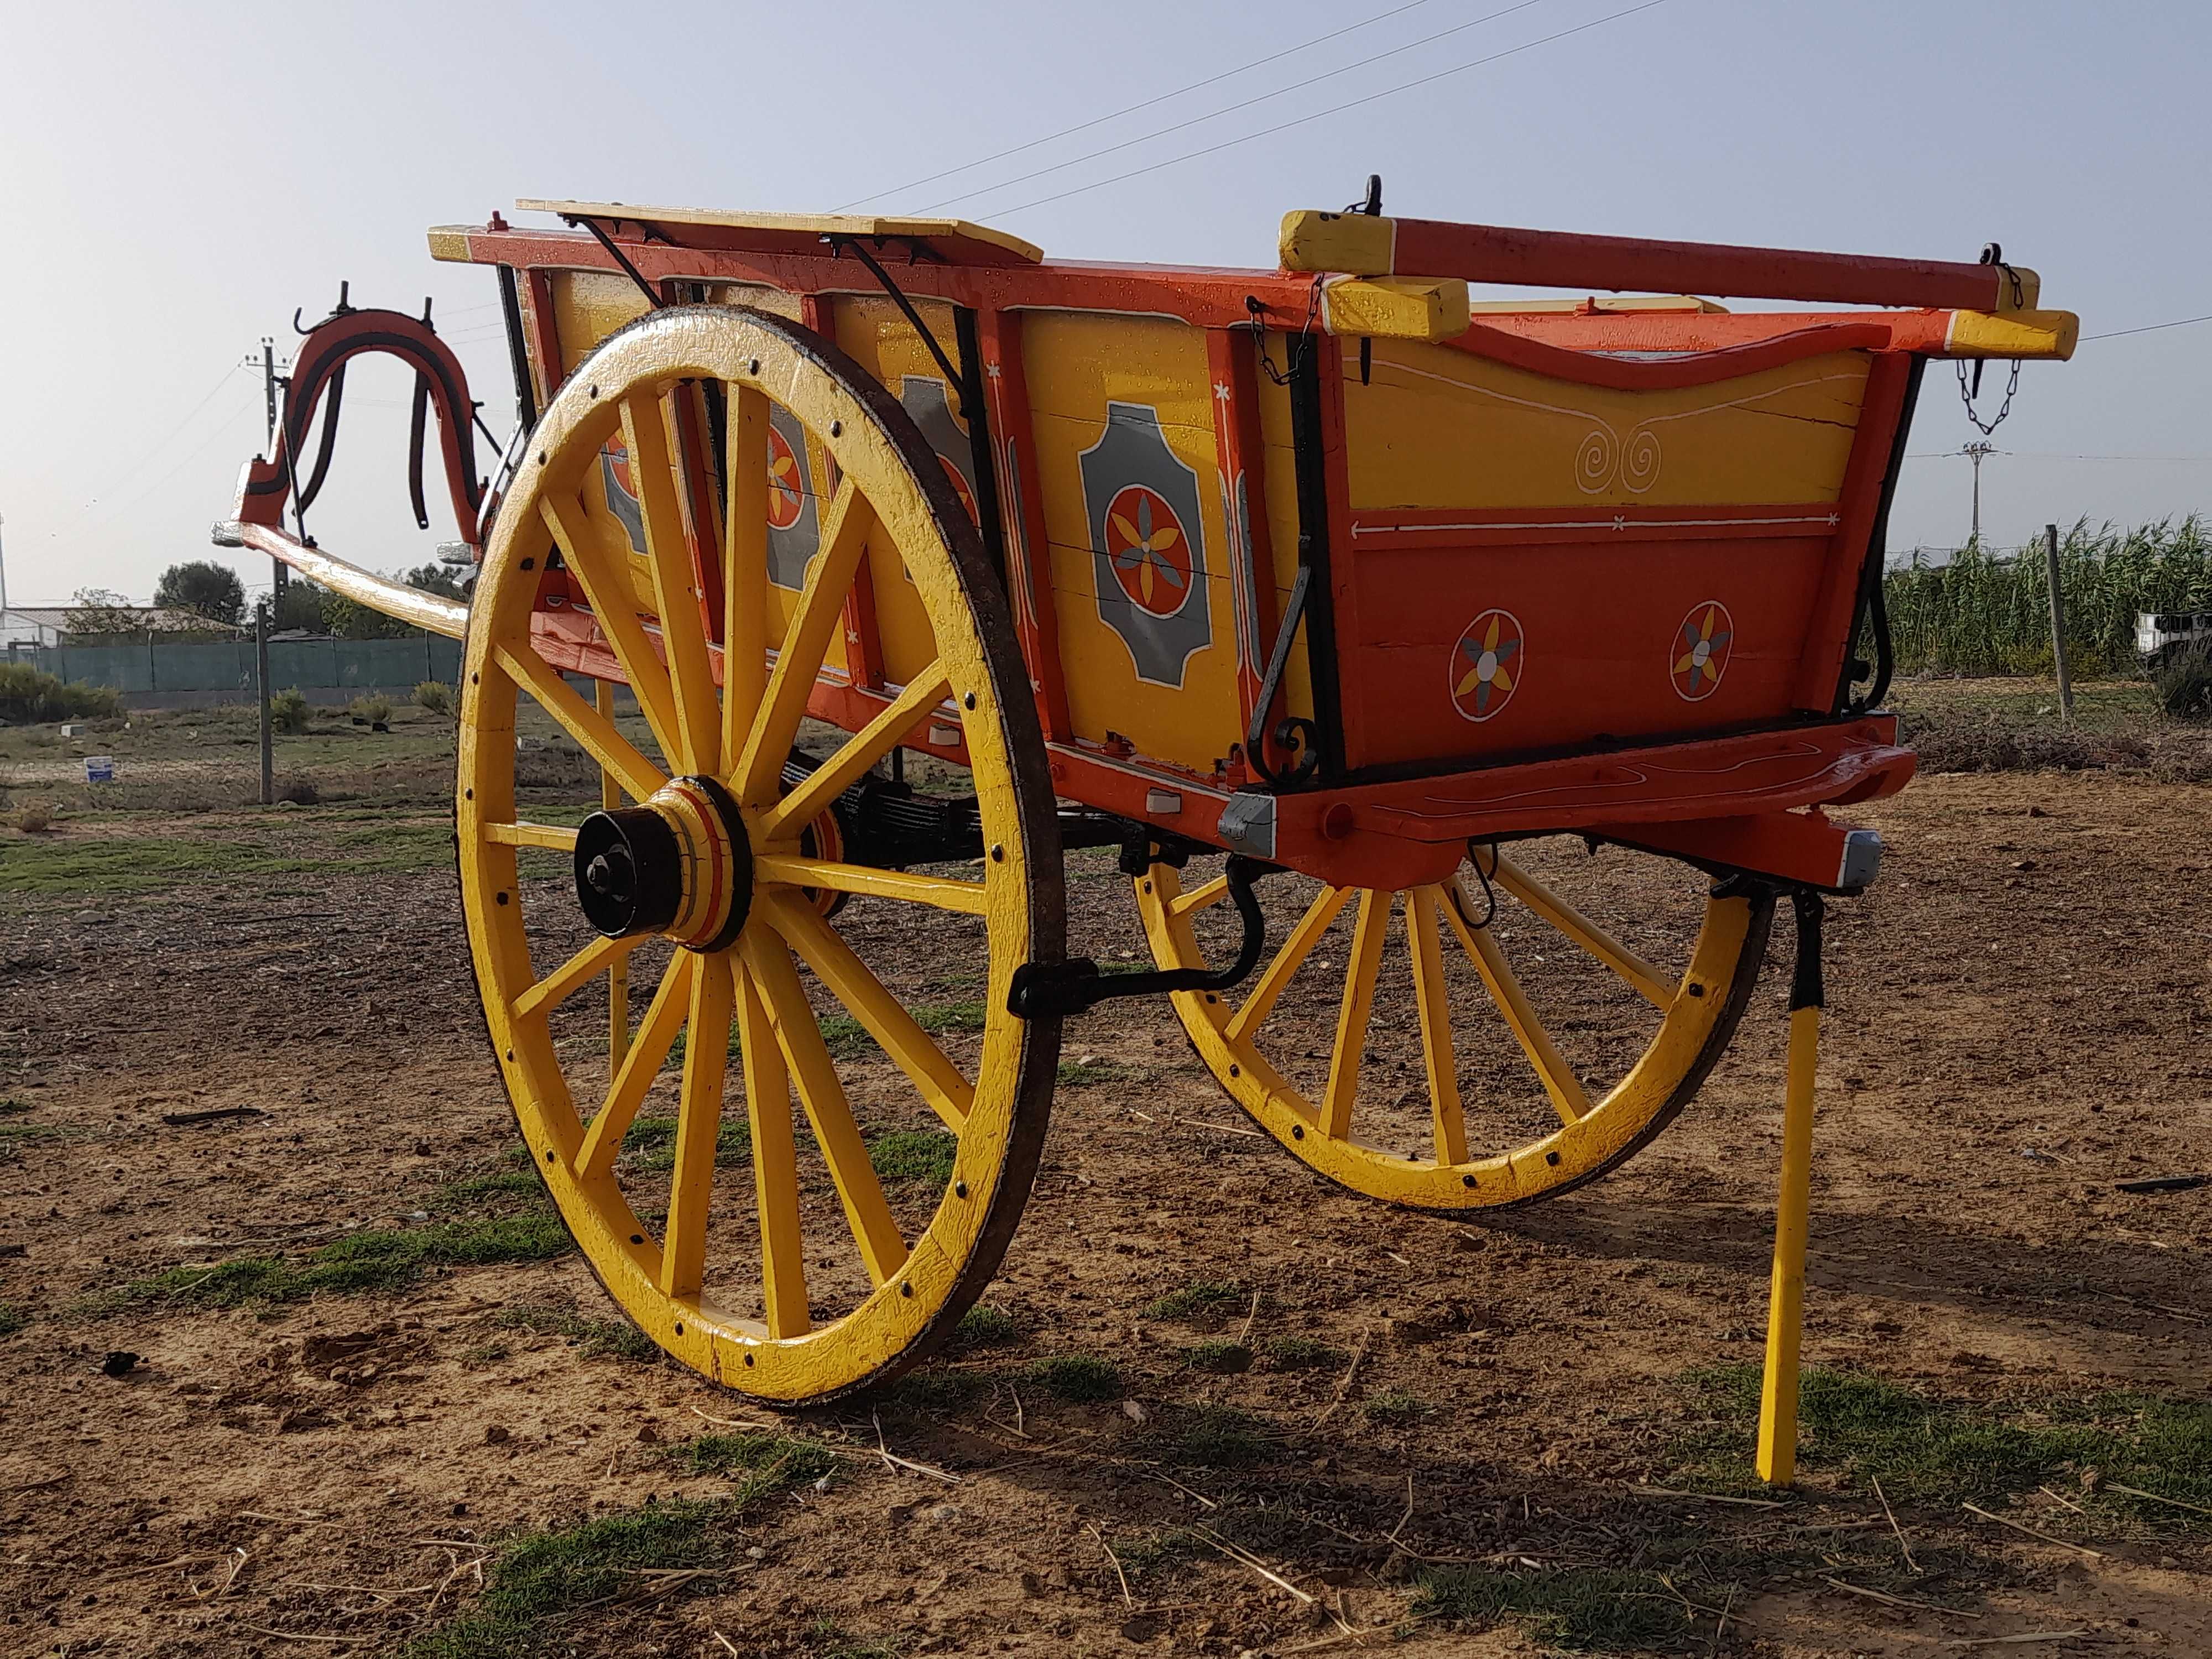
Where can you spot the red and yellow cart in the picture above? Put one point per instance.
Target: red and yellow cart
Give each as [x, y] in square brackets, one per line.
[1402, 604]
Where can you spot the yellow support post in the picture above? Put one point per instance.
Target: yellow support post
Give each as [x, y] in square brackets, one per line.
[1785, 1312]
[618, 972]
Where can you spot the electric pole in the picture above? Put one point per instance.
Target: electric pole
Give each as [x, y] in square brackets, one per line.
[1974, 452]
[269, 364]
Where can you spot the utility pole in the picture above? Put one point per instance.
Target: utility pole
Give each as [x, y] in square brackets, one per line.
[2059, 625]
[261, 684]
[1974, 452]
[269, 365]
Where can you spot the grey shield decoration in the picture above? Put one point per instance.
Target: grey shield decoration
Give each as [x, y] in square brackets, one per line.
[620, 502]
[924, 399]
[1132, 456]
[792, 540]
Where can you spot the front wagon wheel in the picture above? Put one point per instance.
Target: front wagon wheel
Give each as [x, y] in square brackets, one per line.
[1413, 1063]
[791, 1255]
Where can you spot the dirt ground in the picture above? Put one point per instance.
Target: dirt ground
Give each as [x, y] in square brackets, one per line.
[2022, 1016]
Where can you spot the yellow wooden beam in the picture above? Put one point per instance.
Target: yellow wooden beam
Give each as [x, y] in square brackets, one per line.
[1359, 244]
[1785, 1309]
[1395, 307]
[2047, 336]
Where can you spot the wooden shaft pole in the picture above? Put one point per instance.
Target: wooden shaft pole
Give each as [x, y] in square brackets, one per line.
[1785, 1318]
[2059, 625]
[261, 687]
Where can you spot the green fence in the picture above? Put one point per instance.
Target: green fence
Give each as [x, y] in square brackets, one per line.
[223, 670]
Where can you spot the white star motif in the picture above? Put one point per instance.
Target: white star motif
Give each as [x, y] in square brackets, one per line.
[992, 369]
[1220, 392]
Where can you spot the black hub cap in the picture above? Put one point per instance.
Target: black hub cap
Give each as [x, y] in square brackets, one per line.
[630, 863]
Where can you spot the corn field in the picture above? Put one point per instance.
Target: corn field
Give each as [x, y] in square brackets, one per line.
[1988, 610]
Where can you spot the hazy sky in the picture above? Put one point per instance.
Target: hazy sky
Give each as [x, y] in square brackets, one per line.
[175, 180]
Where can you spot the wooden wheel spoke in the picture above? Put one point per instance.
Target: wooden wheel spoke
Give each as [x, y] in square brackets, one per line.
[881, 1015]
[555, 838]
[1295, 948]
[775, 1164]
[614, 607]
[1646, 979]
[1200, 897]
[1568, 1097]
[745, 566]
[639, 1065]
[590, 729]
[698, 1127]
[1367, 936]
[941, 892]
[675, 584]
[1449, 1124]
[882, 1250]
[571, 975]
[805, 645]
[784, 820]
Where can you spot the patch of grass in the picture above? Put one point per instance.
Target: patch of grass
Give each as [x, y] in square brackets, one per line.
[935, 1388]
[983, 1326]
[651, 1143]
[539, 1578]
[1223, 1358]
[1077, 1377]
[1580, 1608]
[1154, 1555]
[760, 1464]
[825, 1638]
[922, 1157]
[592, 1337]
[1924, 1449]
[845, 1037]
[939, 1018]
[1217, 1437]
[1396, 1408]
[91, 865]
[377, 1260]
[11, 1106]
[1088, 1073]
[12, 1319]
[13, 1137]
[1300, 1353]
[499, 1185]
[1208, 1298]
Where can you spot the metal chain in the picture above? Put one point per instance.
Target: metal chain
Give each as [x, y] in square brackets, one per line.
[2012, 381]
[1294, 356]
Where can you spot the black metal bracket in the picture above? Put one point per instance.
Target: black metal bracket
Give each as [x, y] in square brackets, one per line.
[1293, 728]
[1059, 988]
[652, 295]
[953, 377]
[1808, 988]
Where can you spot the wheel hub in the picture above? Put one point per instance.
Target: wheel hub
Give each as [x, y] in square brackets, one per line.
[679, 865]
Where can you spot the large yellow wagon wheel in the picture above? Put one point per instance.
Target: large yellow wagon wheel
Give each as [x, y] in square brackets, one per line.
[763, 1247]
[1414, 1064]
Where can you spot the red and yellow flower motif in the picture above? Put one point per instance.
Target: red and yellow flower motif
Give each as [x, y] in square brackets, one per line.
[786, 483]
[1487, 666]
[1148, 550]
[1700, 653]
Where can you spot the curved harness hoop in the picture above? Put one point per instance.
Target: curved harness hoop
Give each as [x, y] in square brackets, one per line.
[322, 358]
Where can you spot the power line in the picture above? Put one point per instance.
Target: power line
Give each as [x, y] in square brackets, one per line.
[1337, 109]
[2053, 455]
[223, 430]
[1131, 109]
[1231, 109]
[169, 437]
[2148, 328]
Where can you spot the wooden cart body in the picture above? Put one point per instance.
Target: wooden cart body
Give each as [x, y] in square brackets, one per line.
[1581, 564]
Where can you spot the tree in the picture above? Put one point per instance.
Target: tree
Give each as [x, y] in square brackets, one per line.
[300, 608]
[100, 611]
[205, 588]
[435, 578]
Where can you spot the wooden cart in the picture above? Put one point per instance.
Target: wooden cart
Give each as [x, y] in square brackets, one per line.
[1507, 650]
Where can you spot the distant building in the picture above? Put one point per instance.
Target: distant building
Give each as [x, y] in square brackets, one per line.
[56, 624]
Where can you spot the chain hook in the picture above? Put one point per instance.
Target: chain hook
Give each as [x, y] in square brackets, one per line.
[1970, 386]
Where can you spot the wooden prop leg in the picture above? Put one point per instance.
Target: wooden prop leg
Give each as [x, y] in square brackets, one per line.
[1785, 1316]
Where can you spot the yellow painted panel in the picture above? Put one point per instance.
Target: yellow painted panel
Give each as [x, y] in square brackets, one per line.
[1122, 422]
[884, 344]
[1440, 428]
